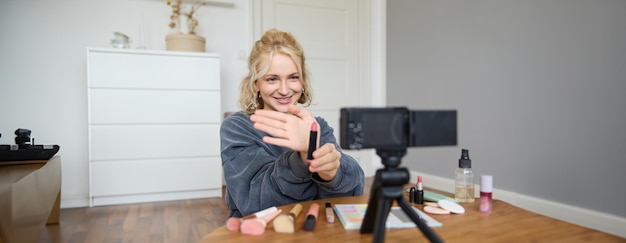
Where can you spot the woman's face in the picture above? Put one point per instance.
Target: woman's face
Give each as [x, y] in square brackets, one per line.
[281, 85]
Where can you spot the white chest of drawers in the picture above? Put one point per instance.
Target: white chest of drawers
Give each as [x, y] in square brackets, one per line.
[153, 120]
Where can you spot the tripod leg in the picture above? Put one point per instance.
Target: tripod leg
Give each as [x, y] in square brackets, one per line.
[370, 215]
[382, 212]
[426, 230]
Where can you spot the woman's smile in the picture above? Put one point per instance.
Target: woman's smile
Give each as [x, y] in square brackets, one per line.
[284, 100]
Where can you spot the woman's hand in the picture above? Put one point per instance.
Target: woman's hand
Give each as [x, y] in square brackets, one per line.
[326, 161]
[290, 130]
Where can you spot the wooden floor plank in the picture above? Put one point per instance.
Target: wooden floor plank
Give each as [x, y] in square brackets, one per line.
[171, 221]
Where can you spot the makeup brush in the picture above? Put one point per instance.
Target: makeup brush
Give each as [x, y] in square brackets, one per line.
[233, 223]
[256, 226]
[285, 223]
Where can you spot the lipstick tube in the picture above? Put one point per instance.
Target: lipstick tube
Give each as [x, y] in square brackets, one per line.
[312, 141]
[419, 197]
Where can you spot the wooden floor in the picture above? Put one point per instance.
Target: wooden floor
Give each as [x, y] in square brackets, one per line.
[172, 221]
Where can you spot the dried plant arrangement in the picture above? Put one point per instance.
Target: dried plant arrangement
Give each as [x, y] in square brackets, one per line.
[187, 22]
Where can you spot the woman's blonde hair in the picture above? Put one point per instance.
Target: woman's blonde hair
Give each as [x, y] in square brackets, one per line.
[271, 43]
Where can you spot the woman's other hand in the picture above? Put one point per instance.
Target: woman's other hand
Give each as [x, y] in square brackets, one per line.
[326, 161]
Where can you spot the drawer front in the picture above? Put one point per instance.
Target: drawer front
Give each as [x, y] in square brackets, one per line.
[153, 106]
[119, 142]
[152, 176]
[144, 70]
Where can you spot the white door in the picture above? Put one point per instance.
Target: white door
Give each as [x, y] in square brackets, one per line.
[332, 36]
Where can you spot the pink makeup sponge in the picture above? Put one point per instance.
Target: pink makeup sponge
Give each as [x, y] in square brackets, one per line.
[233, 224]
[435, 210]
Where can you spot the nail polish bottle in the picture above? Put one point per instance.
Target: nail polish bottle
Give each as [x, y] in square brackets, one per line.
[486, 187]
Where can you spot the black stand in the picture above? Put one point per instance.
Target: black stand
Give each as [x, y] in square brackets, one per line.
[388, 186]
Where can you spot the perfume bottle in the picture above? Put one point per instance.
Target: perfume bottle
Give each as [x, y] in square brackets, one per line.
[464, 179]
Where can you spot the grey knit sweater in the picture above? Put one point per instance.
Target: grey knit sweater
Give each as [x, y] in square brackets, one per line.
[260, 175]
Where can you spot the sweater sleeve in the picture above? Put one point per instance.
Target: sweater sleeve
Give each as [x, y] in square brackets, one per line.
[260, 175]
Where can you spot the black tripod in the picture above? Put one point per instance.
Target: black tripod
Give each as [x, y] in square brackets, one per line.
[387, 187]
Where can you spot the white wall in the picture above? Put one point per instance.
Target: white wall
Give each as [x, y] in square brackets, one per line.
[540, 89]
[43, 66]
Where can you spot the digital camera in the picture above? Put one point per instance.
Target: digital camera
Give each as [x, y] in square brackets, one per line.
[396, 128]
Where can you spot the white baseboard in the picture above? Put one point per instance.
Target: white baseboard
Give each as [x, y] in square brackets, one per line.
[581, 216]
[156, 197]
[80, 201]
[74, 201]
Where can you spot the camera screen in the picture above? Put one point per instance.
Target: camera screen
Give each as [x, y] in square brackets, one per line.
[374, 128]
[433, 128]
[385, 129]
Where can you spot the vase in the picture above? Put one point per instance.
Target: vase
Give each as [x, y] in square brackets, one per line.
[185, 42]
[183, 24]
